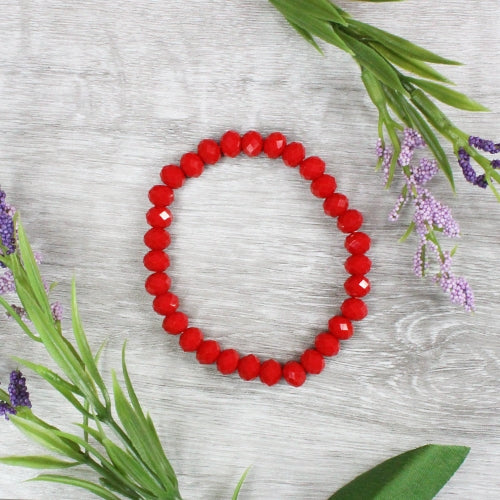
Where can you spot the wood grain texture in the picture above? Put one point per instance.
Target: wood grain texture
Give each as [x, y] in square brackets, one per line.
[96, 96]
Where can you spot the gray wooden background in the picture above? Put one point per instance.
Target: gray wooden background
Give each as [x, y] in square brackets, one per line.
[96, 96]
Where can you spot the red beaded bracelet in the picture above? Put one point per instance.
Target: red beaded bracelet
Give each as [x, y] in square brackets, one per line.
[349, 221]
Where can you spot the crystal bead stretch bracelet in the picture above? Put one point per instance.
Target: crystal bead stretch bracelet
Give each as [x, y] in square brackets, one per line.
[336, 205]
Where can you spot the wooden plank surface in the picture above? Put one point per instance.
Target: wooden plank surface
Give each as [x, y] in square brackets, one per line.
[96, 96]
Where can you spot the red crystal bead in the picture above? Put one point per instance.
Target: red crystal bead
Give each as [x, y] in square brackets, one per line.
[354, 309]
[208, 352]
[294, 373]
[230, 143]
[159, 217]
[161, 195]
[209, 151]
[336, 204]
[227, 362]
[157, 238]
[166, 303]
[270, 372]
[191, 164]
[156, 261]
[358, 264]
[175, 323]
[172, 176]
[252, 143]
[357, 286]
[312, 361]
[327, 344]
[340, 327]
[274, 144]
[293, 154]
[350, 221]
[158, 283]
[190, 339]
[323, 186]
[249, 367]
[311, 168]
[357, 243]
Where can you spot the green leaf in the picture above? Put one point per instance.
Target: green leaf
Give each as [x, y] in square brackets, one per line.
[79, 483]
[306, 35]
[47, 437]
[397, 43]
[372, 60]
[18, 320]
[83, 346]
[414, 65]
[318, 27]
[139, 436]
[416, 474]
[448, 96]
[37, 462]
[240, 484]
[312, 9]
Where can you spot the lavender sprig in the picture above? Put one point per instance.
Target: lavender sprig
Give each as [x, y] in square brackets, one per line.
[18, 395]
[7, 247]
[430, 217]
[464, 160]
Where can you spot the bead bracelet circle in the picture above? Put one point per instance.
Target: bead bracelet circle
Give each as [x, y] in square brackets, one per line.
[335, 205]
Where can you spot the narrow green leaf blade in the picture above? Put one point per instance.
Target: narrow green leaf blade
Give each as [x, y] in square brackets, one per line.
[418, 473]
[417, 67]
[306, 35]
[372, 60]
[397, 43]
[79, 483]
[240, 484]
[448, 96]
[313, 9]
[37, 462]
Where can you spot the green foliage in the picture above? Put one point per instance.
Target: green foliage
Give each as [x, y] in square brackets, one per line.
[401, 99]
[415, 475]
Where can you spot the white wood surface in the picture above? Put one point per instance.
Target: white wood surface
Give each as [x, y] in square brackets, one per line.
[96, 96]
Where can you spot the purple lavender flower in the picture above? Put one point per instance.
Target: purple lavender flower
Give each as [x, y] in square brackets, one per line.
[6, 224]
[6, 410]
[7, 284]
[484, 145]
[57, 311]
[464, 162]
[19, 395]
[430, 215]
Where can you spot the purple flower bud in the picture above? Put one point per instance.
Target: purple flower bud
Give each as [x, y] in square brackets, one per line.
[6, 225]
[6, 410]
[484, 145]
[57, 311]
[464, 162]
[19, 396]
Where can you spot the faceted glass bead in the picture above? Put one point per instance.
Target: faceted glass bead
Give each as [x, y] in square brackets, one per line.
[294, 373]
[350, 221]
[172, 176]
[166, 303]
[270, 372]
[340, 327]
[191, 164]
[157, 238]
[209, 151]
[323, 186]
[175, 323]
[358, 264]
[190, 339]
[311, 168]
[249, 367]
[336, 204]
[274, 144]
[158, 283]
[208, 352]
[312, 361]
[357, 243]
[156, 261]
[161, 195]
[252, 143]
[227, 362]
[293, 154]
[230, 143]
[159, 217]
[327, 344]
[357, 286]
[354, 309]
